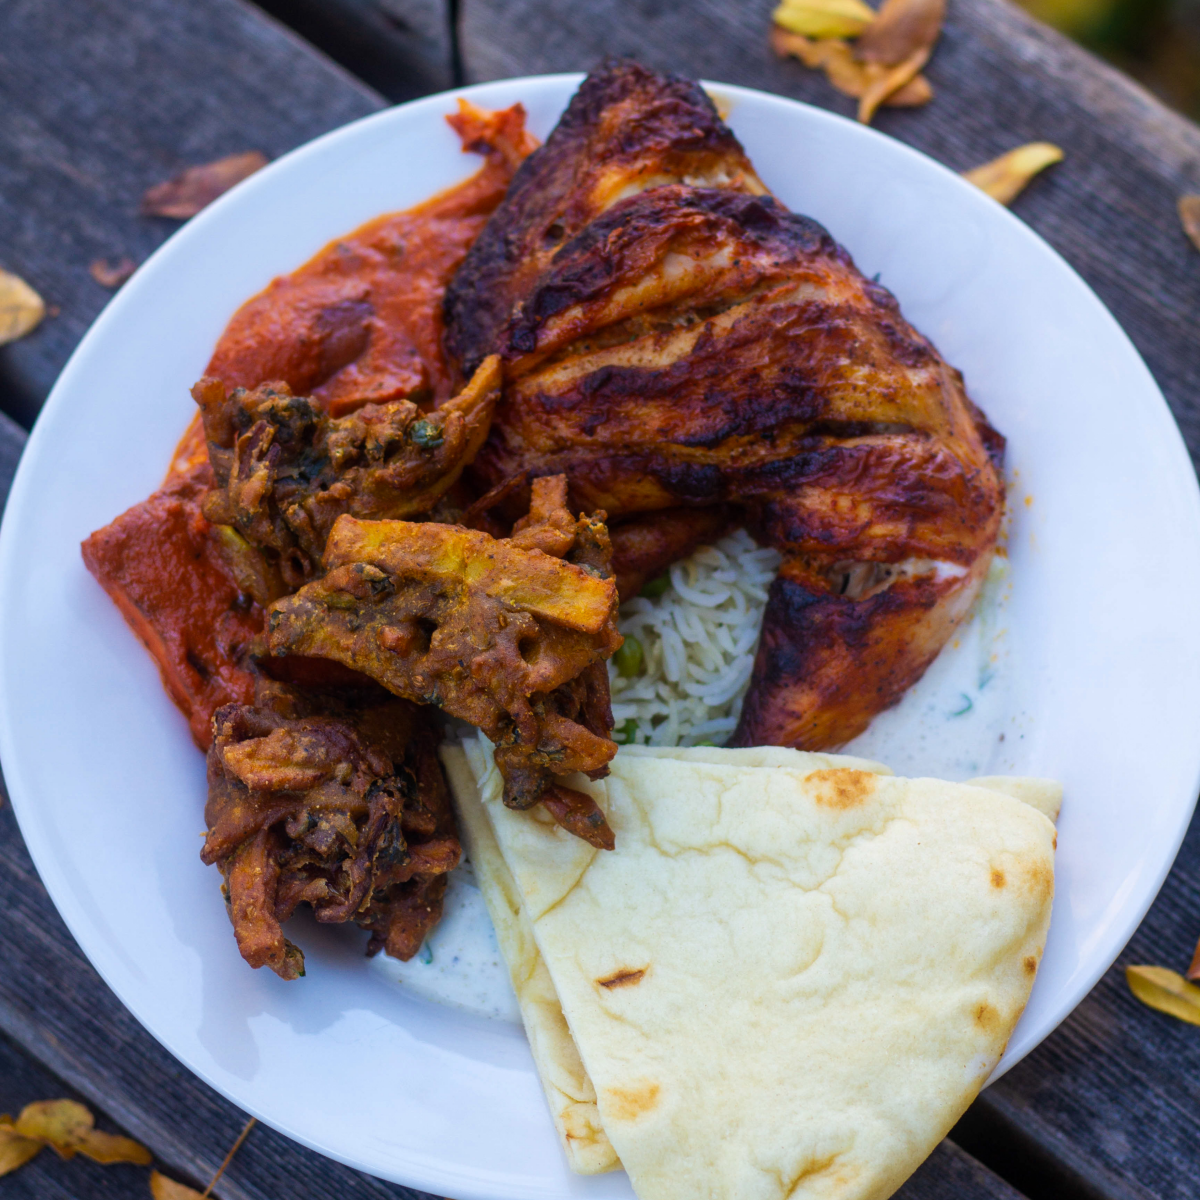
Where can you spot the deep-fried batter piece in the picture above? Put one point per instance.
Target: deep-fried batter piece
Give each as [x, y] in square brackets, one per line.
[337, 801]
[510, 635]
[285, 470]
[674, 338]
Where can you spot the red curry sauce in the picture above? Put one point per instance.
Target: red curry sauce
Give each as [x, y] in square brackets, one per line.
[359, 323]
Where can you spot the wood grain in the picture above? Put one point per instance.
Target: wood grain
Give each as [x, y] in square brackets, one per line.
[12, 442]
[401, 48]
[1001, 80]
[47, 1177]
[103, 98]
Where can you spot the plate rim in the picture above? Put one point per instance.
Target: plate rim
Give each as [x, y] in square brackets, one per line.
[43, 854]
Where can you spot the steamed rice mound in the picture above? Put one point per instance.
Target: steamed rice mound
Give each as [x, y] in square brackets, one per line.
[699, 639]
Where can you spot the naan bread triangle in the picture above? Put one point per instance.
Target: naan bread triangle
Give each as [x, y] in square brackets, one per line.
[784, 981]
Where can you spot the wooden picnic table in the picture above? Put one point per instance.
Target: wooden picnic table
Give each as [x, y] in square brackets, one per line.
[100, 99]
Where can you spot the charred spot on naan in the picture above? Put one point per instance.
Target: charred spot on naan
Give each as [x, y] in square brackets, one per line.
[840, 787]
[625, 977]
[627, 1104]
[1039, 878]
[986, 1016]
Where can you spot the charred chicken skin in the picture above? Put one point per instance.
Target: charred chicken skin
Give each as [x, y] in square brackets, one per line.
[331, 800]
[510, 635]
[675, 340]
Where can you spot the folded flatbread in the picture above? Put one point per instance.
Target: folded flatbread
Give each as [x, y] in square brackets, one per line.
[790, 978]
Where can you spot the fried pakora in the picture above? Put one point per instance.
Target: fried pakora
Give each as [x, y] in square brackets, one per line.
[285, 470]
[335, 800]
[510, 635]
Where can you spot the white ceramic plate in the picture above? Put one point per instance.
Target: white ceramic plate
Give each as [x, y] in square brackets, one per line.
[1098, 639]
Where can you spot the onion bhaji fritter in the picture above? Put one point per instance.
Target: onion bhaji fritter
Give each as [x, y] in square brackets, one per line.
[285, 470]
[332, 800]
[509, 634]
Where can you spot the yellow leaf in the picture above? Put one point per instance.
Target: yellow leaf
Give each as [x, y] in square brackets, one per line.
[1189, 216]
[1165, 991]
[68, 1127]
[162, 1188]
[890, 82]
[824, 18]
[113, 1148]
[21, 308]
[15, 1150]
[1006, 177]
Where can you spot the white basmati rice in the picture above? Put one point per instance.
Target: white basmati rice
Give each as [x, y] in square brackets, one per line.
[698, 641]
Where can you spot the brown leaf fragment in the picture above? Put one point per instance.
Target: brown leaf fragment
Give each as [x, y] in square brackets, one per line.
[891, 82]
[1166, 991]
[1193, 971]
[900, 29]
[197, 187]
[111, 273]
[1006, 177]
[1189, 217]
[68, 1127]
[15, 1150]
[21, 308]
[852, 78]
[162, 1188]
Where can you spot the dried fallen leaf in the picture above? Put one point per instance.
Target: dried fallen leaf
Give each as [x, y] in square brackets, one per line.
[197, 187]
[901, 28]
[15, 1150]
[1189, 215]
[1165, 991]
[824, 18]
[851, 77]
[162, 1188]
[1006, 177]
[110, 274]
[888, 84]
[21, 308]
[67, 1126]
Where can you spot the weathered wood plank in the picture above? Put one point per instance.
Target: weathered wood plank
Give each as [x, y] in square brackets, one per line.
[401, 48]
[1001, 79]
[12, 442]
[102, 99]
[47, 1177]
[949, 1173]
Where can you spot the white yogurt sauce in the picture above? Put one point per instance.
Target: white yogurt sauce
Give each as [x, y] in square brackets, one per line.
[958, 721]
[460, 963]
[955, 723]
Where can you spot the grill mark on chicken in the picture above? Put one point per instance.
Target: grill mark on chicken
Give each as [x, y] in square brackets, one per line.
[625, 130]
[682, 341]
